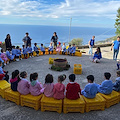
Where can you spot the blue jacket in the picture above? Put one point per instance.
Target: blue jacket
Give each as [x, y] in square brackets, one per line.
[92, 42]
[116, 85]
[63, 48]
[11, 57]
[18, 52]
[50, 48]
[69, 49]
[42, 48]
[73, 49]
[29, 49]
[106, 87]
[35, 48]
[25, 51]
[99, 56]
[90, 90]
[14, 52]
[14, 85]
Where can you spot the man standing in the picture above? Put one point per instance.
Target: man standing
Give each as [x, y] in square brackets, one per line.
[91, 44]
[116, 45]
[27, 40]
[54, 39]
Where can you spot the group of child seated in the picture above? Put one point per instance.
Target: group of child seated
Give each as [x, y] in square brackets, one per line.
[58, 91]
[16, 52]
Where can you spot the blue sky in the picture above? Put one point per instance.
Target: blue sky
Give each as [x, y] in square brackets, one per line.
[84, 13]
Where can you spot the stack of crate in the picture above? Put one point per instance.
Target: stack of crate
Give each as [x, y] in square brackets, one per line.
[51, 104]
[77, 69]
[97, 103]
[31, 101]
[111, 99]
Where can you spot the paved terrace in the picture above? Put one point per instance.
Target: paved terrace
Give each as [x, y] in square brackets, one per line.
[10, 111]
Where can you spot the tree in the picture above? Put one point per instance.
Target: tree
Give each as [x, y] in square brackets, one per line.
[76, 41]
[117, 23]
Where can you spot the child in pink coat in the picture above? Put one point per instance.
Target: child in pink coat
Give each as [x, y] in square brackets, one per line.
[23, 85]
[59, 88]
[4, 57]
[35, 86]
[48, 86]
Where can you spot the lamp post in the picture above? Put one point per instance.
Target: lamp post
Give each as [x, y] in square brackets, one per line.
[70, 29]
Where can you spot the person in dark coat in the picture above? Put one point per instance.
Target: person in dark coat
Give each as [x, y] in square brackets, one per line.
[8, 42]
[27, 40]
[54, 39]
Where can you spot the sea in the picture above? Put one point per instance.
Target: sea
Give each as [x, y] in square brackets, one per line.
[42, 34]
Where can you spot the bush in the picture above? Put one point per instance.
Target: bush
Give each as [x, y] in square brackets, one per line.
[76, 41]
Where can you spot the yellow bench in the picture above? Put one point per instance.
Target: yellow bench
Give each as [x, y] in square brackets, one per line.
[13, 96]
[97, 103]
[74, 105]
[51, 104]
[3, 87]
[111, 99]
[31, 101]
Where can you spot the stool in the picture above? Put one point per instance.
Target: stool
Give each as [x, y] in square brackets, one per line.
[74, 105]
[77, 69]
[51, 104]
[97, 103]
[13, 96]
[31, 101]
[111, 99]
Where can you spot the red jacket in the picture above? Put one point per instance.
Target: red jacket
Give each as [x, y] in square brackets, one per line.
[73, 91]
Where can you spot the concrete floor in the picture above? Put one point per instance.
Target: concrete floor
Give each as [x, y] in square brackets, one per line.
[10, 111]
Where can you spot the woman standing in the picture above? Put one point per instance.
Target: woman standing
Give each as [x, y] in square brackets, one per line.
[54, 39]
[8, 42]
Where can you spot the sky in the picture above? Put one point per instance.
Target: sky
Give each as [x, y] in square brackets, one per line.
[84, 13]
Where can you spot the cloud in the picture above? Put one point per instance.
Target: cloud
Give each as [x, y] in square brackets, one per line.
[68, 8]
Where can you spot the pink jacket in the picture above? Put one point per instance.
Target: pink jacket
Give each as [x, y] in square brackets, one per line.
[59, 90]
[48, 89]
[3, 56]
[37, 89]
[23, 87]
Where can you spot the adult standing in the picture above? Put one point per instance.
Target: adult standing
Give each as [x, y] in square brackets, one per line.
[8, 42]
[91, 44]
[54, 39]
[27, 40]
[116, 45]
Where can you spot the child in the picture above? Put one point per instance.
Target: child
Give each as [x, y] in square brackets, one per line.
[107, 85]
[3, 74]
[4, 57]
[48, 86]
[116, 85]
[58, 48]
[18, 53]
[63, 49]
[42, 49]
[73, 49]
[25, 52]
[90, 89]
[59, 88]
[9, 56]
[50, 48]
[73, 88]
[14, 80]
[97, 56]
[23, 84]
[14, 51]
[118, 64]
[29, 48]
[36, 49]
[69, 49]
[35, 86]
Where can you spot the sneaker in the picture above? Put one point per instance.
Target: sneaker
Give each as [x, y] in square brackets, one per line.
[5, 64]
[20, 58]
[17, 60]
[8, 62]
[30, 56]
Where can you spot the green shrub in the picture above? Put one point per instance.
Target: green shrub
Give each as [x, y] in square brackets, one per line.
[76, 41]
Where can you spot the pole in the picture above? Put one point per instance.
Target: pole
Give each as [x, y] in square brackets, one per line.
[70, 29]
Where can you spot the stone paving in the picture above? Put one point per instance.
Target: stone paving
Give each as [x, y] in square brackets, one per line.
[10, 111]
